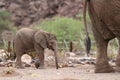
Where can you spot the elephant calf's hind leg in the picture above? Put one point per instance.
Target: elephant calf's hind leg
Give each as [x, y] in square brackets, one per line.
[18, 63]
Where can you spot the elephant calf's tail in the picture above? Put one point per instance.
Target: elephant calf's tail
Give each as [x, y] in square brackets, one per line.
[87, 40]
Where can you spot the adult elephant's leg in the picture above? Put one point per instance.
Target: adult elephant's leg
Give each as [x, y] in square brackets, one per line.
[118, 58]
[102, 65]
[40, 56]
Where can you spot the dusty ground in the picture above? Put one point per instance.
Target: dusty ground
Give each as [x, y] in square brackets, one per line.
[82, 72]
[79, 72]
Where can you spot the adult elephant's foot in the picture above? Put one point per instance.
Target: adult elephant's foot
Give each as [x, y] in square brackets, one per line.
[104, 69]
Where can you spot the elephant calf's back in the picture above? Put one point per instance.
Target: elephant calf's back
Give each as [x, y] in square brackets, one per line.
[24, 39]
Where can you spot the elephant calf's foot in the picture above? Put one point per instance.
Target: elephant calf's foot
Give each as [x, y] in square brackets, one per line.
[41, 67]
[104, 69]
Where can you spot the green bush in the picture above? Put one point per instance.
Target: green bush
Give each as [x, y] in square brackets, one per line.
[5, 23]
[64, 28]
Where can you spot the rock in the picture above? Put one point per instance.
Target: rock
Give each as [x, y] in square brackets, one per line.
[87, 70]
[13, 7]
[91, 62]
[26, 59]
[36, 10]
[27, 65]
[3, 55]
[9, 70]
[26, 21]
[2, 4]
[81, 60]
[7, 64]
[70, 54]
[71, 65]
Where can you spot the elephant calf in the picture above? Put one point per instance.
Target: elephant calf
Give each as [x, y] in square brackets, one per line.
[33, 40]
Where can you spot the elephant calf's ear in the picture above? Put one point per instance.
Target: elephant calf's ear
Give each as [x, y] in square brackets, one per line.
[40, 39]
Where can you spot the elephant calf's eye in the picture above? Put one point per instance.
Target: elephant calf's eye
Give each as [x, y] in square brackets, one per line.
[51, 43]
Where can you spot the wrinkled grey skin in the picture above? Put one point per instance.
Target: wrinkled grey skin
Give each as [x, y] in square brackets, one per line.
[105, 18]
[33, 40]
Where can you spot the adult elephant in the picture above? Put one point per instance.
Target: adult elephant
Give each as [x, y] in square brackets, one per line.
[105, 18]
[34, 40]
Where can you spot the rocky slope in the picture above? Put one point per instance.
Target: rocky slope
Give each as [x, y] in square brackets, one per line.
[26, 12]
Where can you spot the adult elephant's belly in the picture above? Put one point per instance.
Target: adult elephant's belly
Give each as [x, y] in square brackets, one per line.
[108, 12]
[115, 25]
[111, 20]
[110, 26]
[105, 31]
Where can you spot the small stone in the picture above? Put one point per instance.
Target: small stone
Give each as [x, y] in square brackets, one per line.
[87, 70]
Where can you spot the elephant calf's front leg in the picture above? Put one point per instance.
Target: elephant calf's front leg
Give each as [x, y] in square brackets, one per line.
[41, 60]
[40, 55]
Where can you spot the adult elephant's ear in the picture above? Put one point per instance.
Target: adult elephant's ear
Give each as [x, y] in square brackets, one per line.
[40, 39]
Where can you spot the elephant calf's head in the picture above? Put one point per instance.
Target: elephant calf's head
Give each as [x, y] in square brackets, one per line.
[47, 40]
[52, 42]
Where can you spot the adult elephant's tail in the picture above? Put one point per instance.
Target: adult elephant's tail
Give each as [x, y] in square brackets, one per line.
[87, 40]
